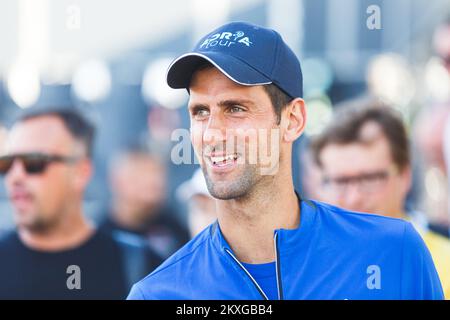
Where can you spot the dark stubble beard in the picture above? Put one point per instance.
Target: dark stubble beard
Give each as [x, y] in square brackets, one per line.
[41, 224]
[240, 187]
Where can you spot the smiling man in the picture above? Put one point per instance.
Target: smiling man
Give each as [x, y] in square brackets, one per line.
[245, 88]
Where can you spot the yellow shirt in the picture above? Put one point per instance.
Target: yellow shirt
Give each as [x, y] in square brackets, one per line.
[439, 247]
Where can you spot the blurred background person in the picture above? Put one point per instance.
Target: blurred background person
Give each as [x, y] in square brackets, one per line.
[3, 133]
[55, 252]
[442, 48]
[430, 135]
[311, 175]
[139, 202]
[201, 206]
[364, 156]
[441, 42]
[428, 138]
[2, 136]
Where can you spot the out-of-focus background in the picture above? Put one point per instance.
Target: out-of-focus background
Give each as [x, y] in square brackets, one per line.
[108, 58]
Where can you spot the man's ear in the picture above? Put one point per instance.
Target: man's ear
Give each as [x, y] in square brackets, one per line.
[84, 173]
[406, 175]
[294, 120]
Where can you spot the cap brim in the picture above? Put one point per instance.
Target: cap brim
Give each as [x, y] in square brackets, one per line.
[180, 71]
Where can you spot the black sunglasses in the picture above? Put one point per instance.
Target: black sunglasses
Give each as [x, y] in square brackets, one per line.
[34, 163]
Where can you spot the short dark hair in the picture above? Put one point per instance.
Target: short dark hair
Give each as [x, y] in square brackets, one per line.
[78, 126]
[350, 119]
[278, 97]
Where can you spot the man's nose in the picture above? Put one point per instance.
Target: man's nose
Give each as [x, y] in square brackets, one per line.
[215, 131]
[354, 198]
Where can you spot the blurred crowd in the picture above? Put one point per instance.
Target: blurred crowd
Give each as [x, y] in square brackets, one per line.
[377, 154]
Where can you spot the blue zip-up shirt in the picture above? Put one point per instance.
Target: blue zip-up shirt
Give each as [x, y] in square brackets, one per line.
[334, 254]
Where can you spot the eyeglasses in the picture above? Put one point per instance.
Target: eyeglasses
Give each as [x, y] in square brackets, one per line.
[366, 182]
[34, 163]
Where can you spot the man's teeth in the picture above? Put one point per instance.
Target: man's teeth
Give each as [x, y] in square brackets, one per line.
[224, 159]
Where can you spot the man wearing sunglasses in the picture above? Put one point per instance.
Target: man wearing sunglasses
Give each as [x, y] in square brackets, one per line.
[365, 161]
[56, 253]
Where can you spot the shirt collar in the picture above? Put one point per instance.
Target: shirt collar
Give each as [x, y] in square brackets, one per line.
[288, 239]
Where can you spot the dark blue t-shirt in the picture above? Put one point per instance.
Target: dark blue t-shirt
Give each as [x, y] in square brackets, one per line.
[98, 263]
[266, 276]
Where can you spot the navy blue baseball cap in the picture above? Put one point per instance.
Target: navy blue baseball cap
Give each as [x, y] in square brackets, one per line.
[247, 54]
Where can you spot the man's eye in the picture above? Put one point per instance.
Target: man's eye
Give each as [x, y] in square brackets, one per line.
[200, 113]
[235, 109]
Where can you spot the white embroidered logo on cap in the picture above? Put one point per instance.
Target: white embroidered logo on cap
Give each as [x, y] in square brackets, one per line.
[226, 39]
